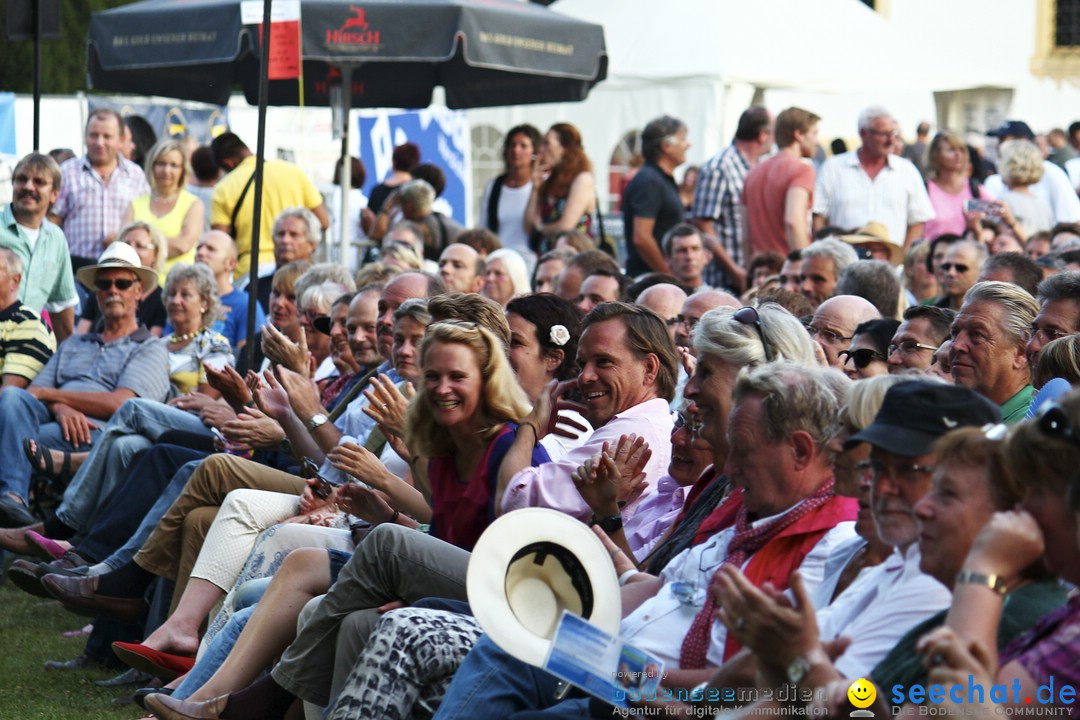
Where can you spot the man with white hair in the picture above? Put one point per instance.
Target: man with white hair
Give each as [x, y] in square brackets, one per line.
[822, 264]
[415, 198]
[873, 184]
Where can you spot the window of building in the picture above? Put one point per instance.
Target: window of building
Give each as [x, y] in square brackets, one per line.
[1057, 39]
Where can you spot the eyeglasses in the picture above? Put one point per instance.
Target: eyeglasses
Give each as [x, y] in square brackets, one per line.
[690, 323]
[1045, 335]
[960, 269]
[106, 284]
[828, 335]
[884, 133]
[910, 347]
[861, 357]
[749, 316]
[687, 421]
[903, 472]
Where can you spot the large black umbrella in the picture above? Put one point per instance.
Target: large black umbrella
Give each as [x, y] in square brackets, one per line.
[483, 52]
[390, 53]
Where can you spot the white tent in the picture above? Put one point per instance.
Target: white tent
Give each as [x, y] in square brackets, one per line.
[705, 61]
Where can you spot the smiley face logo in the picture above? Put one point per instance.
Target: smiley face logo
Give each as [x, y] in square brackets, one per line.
[862, 693]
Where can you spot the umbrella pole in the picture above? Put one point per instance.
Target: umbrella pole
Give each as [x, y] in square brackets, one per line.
[345, 235]
[260, 154]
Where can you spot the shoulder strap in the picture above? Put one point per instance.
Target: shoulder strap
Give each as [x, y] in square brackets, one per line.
[236, 210]
[493, 203]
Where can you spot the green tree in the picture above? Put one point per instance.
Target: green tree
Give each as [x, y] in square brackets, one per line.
[63, 61]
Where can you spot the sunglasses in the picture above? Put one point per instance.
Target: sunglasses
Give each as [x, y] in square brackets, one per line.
[322, 323]
[961, 269]
[861, 357]
[105, 284]
[1054, 422]
[749, 316]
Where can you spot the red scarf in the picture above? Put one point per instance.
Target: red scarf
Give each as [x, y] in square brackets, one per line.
[779, 546]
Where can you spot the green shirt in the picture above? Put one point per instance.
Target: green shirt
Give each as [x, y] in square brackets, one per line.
[1021, 610]
[1015, 408]
[47, 281]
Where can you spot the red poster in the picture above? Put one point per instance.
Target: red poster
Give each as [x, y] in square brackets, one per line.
[284, 63]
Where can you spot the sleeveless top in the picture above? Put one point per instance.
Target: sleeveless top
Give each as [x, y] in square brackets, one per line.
[170, 224]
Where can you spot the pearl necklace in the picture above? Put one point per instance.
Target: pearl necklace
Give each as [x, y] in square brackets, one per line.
[174, 338]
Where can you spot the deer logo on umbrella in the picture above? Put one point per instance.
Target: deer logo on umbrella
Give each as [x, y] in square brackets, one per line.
[355, 32]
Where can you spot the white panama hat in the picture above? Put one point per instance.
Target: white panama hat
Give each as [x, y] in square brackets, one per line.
[529, 566]
[118, 255]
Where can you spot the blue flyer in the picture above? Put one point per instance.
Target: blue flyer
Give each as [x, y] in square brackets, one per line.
[601, 664]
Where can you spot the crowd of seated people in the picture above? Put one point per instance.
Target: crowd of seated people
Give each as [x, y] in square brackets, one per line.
[818, 445]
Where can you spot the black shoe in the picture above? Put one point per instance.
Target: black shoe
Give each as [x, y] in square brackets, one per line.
[131, 676]
[83, 662]
[141, 693]
[14, 514]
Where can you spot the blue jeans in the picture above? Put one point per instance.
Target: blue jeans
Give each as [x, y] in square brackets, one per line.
[136, 426]
[493, 683]
[172, 491]
[23, 416]
[147, 480]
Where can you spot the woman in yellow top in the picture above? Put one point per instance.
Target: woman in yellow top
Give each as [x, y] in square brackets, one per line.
[170, 207]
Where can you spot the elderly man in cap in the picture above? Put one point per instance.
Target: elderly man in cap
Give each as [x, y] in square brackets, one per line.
[85, 381]
[876, 610]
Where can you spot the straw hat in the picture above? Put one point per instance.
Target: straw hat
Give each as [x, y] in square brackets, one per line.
[118, 255]
[529, 566]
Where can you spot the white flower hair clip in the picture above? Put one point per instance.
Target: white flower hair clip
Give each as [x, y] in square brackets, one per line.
[559, 335]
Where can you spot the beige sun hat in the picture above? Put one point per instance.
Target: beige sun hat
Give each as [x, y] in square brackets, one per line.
[876, 233]
[529, 566]
[118, 255]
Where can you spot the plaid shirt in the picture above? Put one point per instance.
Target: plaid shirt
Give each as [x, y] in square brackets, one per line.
[719, 188]
[92, 209]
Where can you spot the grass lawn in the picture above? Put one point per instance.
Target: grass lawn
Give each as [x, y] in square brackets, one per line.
[31, 631]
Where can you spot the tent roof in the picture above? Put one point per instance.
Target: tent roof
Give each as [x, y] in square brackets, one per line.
[820, 46]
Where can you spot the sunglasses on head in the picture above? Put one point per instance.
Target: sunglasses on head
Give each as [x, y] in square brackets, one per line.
[106, 284]
[749, 316]
[861, 357]
[954, 266]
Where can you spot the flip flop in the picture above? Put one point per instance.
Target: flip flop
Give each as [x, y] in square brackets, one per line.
[39, 456]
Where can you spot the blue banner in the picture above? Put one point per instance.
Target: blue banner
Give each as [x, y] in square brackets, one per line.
[7, 123]
[443, 138]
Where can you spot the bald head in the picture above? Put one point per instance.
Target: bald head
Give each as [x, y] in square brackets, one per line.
[217, 250]
[665, 300]
[835, 321]
[697, 305]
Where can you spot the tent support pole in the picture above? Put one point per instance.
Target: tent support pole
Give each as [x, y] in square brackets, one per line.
[260, 155]
[346, 231]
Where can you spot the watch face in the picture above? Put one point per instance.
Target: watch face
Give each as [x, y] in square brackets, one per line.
[797, 669]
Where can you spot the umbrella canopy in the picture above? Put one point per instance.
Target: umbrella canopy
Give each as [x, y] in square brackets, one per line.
[483, 52]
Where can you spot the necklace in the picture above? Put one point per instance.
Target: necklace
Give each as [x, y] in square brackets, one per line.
[174, 338]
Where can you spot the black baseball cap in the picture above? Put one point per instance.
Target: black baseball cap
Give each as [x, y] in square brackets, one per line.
[1013, 128]
[915, 414]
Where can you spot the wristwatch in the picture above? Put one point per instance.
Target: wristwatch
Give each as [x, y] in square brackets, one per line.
[994, 582]
[609, 524]
[800, 665]
[317, 420]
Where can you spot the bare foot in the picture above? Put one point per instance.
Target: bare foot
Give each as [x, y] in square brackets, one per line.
[167, 639]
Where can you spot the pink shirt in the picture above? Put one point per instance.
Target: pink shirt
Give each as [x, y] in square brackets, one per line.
[949, 210]
[551, 484]
[655, 515]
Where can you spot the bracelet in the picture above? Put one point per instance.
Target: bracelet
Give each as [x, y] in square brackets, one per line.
[627, 575]
[536, 433]
[991, 581]
[394, 517]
